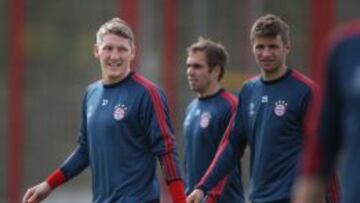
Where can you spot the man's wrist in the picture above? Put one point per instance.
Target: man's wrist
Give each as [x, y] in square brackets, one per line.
[202, 188]
[55, 179]
[177, 191]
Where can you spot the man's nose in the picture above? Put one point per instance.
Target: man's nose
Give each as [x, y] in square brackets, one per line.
[189, 70]
[266, 52]
[114, 54]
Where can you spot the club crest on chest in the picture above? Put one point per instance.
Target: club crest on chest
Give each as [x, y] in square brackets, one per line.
[280, 108]
[205, 120]
[119, 111]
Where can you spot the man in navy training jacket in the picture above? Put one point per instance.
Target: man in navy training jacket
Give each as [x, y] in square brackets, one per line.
[125, 127]
[338, 120]
[207, 118]
[270, 118]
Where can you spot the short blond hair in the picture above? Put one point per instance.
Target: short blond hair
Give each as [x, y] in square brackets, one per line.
[118, 27]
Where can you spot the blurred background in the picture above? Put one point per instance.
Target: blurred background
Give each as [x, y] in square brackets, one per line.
[46, 62]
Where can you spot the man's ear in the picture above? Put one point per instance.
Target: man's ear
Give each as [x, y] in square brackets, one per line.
[216, 71]
[288, 48]
[133, 52]
[96, 50]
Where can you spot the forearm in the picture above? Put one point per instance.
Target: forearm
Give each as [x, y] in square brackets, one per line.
[169, 165]
[56, 179]
[223, 163]
[73, 165]
[216, 191]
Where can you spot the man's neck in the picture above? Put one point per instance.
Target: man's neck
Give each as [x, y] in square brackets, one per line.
[213, 89]
[269, 76]
[109, 81]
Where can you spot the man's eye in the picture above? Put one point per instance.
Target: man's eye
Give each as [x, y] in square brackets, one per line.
[193, 65]
[122, 49]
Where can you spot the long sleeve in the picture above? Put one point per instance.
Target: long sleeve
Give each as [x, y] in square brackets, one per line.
[162, 141]
[76, 162]
[228, 119]
[330, 116]
[229, 152]
[217, 190]
[160, 133]
[324, 140]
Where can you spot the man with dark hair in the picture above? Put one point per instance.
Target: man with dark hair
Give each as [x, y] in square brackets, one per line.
[339, 121]
[125, 127]
[206, 119]
[270, 119]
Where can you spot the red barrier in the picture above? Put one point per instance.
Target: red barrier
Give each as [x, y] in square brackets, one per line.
[321, 22]
[170, 38]
[15, 114]
[129, 11]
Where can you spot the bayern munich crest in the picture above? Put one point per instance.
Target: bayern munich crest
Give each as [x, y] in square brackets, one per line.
[119, 111]
[205, 120]
[280, 108]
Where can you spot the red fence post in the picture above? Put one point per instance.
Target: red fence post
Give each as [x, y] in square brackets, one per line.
[15, 114]
[321, 21]
[129, 11]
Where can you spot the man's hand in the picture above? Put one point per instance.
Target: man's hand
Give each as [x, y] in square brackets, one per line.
[195, 197]
[309, 190]
[37, 193]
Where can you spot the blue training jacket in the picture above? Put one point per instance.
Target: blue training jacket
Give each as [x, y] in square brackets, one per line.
[125, 127]
[269, 119]
[204, 127]
[339, 127]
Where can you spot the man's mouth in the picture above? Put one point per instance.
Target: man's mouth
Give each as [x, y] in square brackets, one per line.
[114, 64]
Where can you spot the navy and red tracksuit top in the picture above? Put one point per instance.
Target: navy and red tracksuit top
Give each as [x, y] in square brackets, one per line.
[125, 127]
[270, 119]
[205, 124]
[339, 119]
